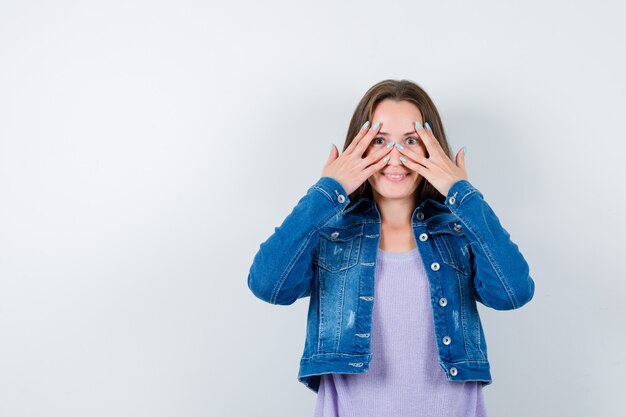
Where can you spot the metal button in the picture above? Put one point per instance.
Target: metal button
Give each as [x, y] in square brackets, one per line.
[452, 200]
[453, 371]
[423, 237]
[443, 302]
[420, 215]
[457, 227]
[446, 340]
[434, 266]
[341, 198]
[334, 235]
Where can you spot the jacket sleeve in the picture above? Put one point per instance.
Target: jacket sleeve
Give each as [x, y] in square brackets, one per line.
[282, 269]
[501, 274]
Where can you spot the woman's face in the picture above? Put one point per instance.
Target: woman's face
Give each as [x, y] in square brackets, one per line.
[397, 120]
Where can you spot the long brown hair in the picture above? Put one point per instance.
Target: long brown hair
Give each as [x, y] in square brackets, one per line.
[398, 90]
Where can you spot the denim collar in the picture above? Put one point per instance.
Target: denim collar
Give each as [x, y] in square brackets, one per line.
[369, 209]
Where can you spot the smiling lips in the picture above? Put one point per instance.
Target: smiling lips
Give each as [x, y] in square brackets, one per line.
[395, 177]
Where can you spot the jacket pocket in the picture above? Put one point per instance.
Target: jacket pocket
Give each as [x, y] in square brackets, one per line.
[339, 247]
[453, 246]
[338, 251]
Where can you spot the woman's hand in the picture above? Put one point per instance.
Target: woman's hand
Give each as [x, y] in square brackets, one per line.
[438, 169]
[349, 168]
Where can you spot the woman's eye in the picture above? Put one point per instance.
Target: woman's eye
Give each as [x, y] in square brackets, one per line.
[381, 141]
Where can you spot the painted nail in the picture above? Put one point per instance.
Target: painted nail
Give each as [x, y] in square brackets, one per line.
[332, 145]
[390, 145]
[399, 146]
[386, 158]
[427, 125]
[403, 159]
[419, 125]
[464, 150]
[366, 125]
[376, 125]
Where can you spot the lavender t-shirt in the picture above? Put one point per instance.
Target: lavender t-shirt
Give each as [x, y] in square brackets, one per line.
[404, 378]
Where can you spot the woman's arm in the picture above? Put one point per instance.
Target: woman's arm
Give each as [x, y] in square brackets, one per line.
[501, 279]
[282, 269]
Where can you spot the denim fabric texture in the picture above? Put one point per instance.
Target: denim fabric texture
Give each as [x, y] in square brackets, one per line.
[326, 249]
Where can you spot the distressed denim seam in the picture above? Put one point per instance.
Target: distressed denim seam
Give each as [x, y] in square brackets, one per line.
[323, 191]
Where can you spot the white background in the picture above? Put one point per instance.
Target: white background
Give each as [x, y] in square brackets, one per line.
[148, 148]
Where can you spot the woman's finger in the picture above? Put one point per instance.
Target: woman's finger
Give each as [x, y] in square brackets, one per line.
[375, 154]
[362, 140]
[374, 168]
[415, 162]
[365, 141]
[362, 132]
[432, 144]
[415, 156]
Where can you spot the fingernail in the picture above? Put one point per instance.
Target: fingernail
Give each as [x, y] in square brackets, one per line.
[386, 158]
[419, 125]
[331, 146]
[376, 125]
[464, 150]
[366, 125]
[399, 146]
[390, 145]
[427, 125]
[403, 159]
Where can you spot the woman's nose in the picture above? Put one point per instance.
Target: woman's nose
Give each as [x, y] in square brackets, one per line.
[395, 155]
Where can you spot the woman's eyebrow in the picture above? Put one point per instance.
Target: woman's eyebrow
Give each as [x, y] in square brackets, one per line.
[406, 134]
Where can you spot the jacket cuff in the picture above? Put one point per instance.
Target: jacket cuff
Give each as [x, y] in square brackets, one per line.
[333, 191]
[458, 192]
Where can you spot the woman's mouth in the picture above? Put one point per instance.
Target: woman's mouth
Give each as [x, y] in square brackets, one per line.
[395, 178]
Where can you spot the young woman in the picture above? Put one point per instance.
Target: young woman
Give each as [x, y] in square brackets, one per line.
[394, 246]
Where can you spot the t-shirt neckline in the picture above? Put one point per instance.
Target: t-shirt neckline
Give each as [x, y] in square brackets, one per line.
[410, 254]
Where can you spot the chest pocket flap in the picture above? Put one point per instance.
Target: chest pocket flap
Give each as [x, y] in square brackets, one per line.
[452, 244]
[339, 247]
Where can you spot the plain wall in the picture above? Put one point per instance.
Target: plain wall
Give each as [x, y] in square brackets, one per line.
[147, 148]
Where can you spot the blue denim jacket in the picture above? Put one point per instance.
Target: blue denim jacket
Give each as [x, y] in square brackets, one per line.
[327, 251]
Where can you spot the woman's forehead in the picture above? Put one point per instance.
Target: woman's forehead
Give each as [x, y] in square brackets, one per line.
[396, 112]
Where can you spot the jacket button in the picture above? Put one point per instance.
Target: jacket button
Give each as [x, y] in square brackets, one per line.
[446, 340]
[457, 227]
[341, 198]
[334, 235]
[452, 200]
[453, 371]
[423, 237]
[434, 266]
[443, 302]
[420, 215]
